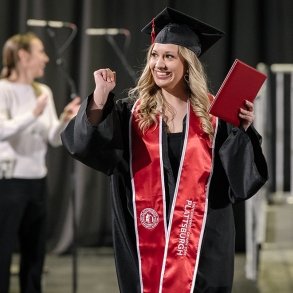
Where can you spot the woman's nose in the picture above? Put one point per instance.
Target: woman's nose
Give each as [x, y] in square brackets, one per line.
[160, 63]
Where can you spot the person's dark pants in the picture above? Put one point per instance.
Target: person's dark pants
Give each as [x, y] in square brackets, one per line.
[23, 217]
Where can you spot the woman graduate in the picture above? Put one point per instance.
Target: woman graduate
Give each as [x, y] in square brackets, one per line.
[175, 169]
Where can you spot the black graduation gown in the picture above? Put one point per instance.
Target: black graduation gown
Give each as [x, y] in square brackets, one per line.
[239, 171]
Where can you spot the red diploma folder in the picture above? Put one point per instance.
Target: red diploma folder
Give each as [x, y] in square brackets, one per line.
[242, 82]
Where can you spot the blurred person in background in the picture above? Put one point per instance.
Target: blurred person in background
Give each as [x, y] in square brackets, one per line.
[28, 122]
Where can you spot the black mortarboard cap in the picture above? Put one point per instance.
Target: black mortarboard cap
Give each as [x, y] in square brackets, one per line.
[174, 27]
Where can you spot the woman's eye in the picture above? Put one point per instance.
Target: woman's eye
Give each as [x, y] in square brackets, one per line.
[169, 56]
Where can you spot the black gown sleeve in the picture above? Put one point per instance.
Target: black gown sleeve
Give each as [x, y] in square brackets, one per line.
[97, 146]
[244, 163]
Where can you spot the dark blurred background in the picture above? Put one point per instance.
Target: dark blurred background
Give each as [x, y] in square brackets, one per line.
[256, 31]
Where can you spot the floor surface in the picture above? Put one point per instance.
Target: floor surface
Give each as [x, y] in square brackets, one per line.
[96, 273]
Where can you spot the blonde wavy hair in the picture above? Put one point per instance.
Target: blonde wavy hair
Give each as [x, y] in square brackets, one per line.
[152, 102]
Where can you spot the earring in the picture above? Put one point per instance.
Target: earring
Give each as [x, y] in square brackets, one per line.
[186, 77]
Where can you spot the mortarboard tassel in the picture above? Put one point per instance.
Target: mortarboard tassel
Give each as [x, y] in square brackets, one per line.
[153, 33]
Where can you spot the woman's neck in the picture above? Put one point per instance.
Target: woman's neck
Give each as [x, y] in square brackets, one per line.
[176, 111]
[175, 98]
[20, 77]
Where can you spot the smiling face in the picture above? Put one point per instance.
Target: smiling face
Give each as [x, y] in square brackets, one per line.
[167, 67]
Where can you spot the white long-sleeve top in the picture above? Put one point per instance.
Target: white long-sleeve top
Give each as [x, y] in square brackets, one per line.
[24, 138]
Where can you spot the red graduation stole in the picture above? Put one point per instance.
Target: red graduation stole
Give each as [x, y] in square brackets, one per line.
[168, 256]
